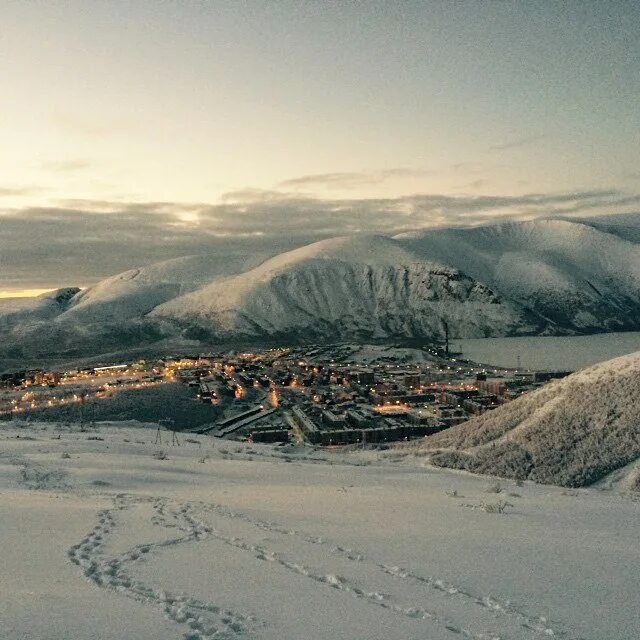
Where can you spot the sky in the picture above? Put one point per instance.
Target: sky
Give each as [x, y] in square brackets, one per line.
[138, 131]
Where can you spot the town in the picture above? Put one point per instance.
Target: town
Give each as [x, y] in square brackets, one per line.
[319, 395]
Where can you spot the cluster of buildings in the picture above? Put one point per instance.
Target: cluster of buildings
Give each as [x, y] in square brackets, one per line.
[319, 395]
[28, 378]
[23, 393]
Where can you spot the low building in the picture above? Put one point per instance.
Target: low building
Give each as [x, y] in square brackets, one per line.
[412, 380]
[421, 416]
[362, 418]
[493, 387]
[365, 377]
[333, 420]
[269, 435]
[304, 422]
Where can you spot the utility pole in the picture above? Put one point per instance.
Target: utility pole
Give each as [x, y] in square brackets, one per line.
[168, 423]
[446, 336]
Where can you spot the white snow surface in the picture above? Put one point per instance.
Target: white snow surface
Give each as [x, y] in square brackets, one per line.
[134, 293]
[569, 271]
[345, 285]
[102, 540]
[47, 305]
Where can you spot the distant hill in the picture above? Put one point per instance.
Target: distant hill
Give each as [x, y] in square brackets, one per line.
[369, 287]
[575, 275]
[552, 277]
[571, 432]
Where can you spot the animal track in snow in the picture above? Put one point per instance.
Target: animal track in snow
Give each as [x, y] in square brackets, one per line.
[389, 587]
[36, 476]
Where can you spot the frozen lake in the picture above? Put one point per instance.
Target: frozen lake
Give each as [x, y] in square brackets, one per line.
[562, 353]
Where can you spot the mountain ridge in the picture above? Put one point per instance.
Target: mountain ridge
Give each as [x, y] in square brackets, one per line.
[546, 276]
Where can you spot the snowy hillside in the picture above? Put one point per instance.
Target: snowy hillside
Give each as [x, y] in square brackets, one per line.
[351, 287]
[103, 539]
[554, 277]
[109, 316]
[14, 311]
[571, 432]
[573, 274]
[136, 292]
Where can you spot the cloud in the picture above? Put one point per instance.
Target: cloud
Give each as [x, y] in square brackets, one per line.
[64, 166]
[518, 142]
[403, 172]
[80, 241]
[255, 195]
[20, 191]
[291, 214]
[474, 185]
[351, 180]
[342, 180]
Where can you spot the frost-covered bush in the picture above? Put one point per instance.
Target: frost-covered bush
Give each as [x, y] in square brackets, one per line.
[633, 479]
[507, 460]
[496, 507]
[452, 459]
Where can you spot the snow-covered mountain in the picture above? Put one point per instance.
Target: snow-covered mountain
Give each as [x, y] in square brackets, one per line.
[134, 293]
[573, 274]
[17, 311]
[546, 276]
[348, 287]
[571, 432]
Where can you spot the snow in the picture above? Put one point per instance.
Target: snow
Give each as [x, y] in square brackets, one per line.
[560, 268]
[278, 543]
[42, 307]
[544, 277]
[136, 292]
[572, 432]
[346, 287]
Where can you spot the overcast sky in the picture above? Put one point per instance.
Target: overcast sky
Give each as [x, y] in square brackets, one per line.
[135, 131]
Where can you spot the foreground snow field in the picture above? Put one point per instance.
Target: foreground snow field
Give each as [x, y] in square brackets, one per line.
[99, 539]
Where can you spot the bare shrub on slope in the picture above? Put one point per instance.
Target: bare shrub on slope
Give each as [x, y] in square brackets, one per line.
[507, 460]
[633, 480]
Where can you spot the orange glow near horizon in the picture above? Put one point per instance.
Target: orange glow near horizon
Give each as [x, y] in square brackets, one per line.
[22, 293]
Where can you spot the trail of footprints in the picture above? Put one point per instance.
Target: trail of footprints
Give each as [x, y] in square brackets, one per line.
[207, 621]
[204, 621]
[537, 625]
